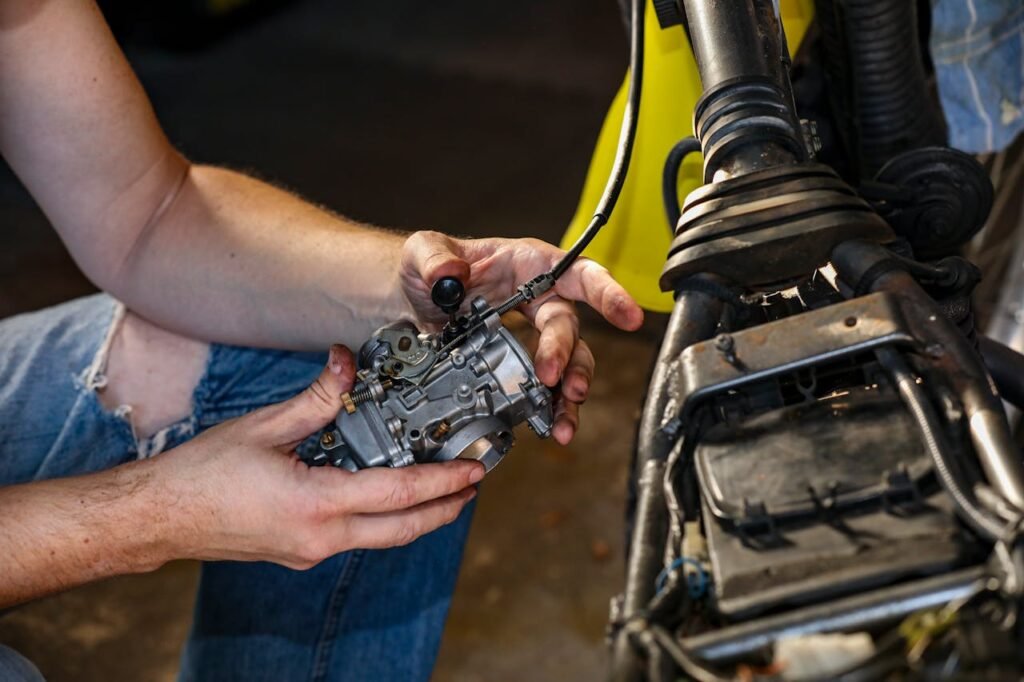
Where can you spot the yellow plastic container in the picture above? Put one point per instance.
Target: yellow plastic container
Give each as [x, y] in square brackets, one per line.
[634, 243]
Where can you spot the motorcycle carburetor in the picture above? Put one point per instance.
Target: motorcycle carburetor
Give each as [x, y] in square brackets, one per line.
[423, 397]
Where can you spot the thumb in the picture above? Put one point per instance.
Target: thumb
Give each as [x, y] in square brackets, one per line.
[319, 404]
[431, 256]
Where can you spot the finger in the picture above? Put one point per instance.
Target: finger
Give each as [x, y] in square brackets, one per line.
[392, 529]
[579, 373]
[559, 327]
[384, 489]
[318, 405]
[591, 283]
[567, 420]
[433, 255]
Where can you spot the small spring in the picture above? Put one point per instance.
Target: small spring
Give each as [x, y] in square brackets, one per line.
[361, 395]
[365, 394]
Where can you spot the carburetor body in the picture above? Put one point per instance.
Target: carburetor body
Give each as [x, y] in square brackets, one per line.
[433, 397]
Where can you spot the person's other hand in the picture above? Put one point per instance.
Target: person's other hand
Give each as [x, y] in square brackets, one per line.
[493, 268]
[243, 494]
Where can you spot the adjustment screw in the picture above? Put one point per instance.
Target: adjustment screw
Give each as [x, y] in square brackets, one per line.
[441, 430]
[327, 439]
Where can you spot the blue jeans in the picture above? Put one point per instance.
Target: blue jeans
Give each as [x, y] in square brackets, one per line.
[361, 615]
[977, 47]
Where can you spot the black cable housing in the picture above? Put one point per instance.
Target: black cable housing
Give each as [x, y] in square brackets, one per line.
[670, 177]
[616, 179]
[878, 79]
[624, 151]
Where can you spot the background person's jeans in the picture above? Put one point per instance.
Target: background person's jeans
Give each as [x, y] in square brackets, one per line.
[361, 615]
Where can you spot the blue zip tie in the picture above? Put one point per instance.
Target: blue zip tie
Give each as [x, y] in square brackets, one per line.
[698, 584]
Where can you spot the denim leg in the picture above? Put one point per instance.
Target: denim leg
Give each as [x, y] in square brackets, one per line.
[360, 615]
[16, 668]
[51, 420]
[253, 621]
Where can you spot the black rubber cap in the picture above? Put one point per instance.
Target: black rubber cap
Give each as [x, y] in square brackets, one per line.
[448, 294]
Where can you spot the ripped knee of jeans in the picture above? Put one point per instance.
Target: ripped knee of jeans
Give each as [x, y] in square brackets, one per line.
[148, 376]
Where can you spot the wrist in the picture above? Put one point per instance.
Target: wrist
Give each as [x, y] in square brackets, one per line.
[159, 515]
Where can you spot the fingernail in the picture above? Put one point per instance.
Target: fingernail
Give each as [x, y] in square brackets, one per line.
[554, 372]
[477, 474]
[564, 434]
[333, 363]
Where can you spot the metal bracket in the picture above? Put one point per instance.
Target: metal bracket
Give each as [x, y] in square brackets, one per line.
[816, 337]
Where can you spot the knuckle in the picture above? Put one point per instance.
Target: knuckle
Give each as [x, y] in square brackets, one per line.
[406, 534]
[311, 507]
[301, 509]
[311, 550]
[591, 270]
[318, 505]
[318, 510]
[430, 235]
[319, 395]
[402, 493]
[539, 245]
[417, 239]
[576, 390]
[303, 564]
[452, 511]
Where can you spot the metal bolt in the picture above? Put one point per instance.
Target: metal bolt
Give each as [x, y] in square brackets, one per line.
[726, 345]
[327, 439]
[443, 428]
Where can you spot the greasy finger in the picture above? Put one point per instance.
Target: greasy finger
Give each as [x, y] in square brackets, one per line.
[579, 373]
[295, 419]
[567, 420]
[555, 319]
[382, 489]
[592, 284]
[392, 529]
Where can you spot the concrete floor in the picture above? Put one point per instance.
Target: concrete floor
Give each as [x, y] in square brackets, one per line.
[475, 118]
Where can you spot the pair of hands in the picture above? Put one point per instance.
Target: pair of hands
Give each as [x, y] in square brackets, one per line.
[259, 503]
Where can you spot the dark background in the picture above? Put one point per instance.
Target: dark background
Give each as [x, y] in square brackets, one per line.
[477, 118]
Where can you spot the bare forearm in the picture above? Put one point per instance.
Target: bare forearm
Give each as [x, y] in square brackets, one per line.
[57, 534]
[235, 260]
[206, 252]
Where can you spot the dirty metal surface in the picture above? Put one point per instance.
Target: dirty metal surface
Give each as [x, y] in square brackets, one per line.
[813, 338]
